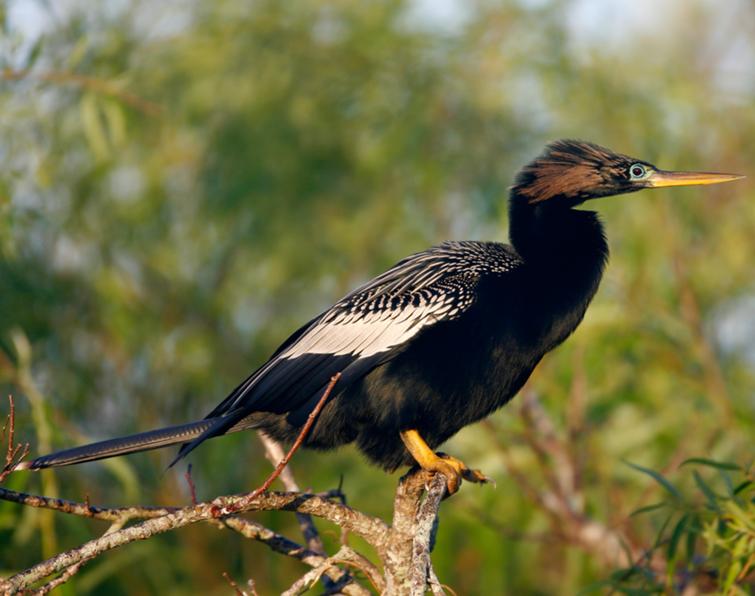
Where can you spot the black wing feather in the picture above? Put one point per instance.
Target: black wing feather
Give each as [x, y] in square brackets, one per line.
[366, 328]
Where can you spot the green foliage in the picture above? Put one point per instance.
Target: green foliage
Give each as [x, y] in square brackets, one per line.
[184, 183]
[706, 537]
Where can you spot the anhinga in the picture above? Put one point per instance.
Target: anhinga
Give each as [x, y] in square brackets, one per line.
[440, 340]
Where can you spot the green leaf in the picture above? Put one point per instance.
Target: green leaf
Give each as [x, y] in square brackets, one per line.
[116, 122]
[673, 542]
[94, 130]
[731, 576]
[648, 508]
[661, 532]
[658, 477]
[721, 465]
[35, 52]
[711, 496]
[693, 531]
[729, 484]
[741, 486]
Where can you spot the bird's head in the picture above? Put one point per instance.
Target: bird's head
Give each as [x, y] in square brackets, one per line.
[570, 172]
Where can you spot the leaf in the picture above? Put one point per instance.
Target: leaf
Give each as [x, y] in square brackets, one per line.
[731, 576]
[721, 465]
[78, 52]
[116, 122]
[711, 496]
[693, 531]
[647, 508]
[35, 52]
[658, 477]
[729, 484]
[676, 534]
[93, 127]
[741, 486]
[661, 532]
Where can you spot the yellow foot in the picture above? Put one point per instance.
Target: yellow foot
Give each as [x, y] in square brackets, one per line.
[453, 469]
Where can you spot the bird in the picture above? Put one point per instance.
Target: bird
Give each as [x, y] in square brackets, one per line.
[440, 340]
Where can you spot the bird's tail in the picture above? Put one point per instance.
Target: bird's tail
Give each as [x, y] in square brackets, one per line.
[162, 437]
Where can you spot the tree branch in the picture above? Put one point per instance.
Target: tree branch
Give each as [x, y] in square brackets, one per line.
[371, 529]
[334, 575]
[404, 547]
[14, 452]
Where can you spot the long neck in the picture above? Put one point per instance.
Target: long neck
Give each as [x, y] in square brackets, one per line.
[564, 251]
[551, 235]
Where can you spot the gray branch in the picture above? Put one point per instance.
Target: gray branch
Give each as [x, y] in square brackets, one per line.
[403, 547]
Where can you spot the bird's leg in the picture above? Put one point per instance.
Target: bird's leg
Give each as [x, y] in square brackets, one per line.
[453, 469]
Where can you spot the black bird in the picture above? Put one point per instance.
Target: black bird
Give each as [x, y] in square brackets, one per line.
[440, 340]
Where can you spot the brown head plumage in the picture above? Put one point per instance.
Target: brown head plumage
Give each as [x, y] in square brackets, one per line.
[570, 172]
[576, 171]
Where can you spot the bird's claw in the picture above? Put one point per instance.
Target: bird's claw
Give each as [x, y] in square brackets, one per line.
[476, 476]
[455, 470]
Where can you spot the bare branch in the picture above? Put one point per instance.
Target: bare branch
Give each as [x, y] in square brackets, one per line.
[191, 485]
[334, 575]
[61, 579]
[114, 514]
[234, 585]
[371, 529]
[274, 453]
[425, 524]
[345, 555]
[284, 546]
[407, 554]
[404, 547]
[14, 453]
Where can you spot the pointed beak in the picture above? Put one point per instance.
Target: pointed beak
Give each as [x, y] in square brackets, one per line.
[662, 178]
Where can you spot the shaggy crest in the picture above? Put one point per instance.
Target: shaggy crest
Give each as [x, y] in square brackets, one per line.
[569, 168]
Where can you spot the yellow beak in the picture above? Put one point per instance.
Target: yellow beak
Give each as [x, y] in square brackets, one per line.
[662, 178]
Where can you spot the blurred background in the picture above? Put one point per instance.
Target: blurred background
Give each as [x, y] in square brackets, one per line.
[184, 183]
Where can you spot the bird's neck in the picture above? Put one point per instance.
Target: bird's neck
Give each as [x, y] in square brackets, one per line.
[563, 248]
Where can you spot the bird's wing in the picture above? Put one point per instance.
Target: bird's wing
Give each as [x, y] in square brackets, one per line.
[366, 328]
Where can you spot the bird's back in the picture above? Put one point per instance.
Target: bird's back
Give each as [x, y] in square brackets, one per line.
[456, 369]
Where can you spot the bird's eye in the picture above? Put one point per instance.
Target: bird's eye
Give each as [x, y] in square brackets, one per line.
[637, 171]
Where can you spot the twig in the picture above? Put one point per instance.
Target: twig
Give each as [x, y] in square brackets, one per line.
[562, 502]
[112, 514]
[302, 584]
[300, 439]
[371, 529]
[334, 576]
[357, 561]
[276, 542]
[404, 547]
[435, 586]
[274, 453]
[61, 579]
[409, 534]
[14, 452]
[280, 544]
[192, 486]
[345, 555]
[234, 585]
[88, 83]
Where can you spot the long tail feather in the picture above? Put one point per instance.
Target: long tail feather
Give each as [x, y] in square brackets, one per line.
[152, 439]
[220, 425]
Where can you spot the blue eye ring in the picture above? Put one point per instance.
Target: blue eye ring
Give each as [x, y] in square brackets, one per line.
[637, 171]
